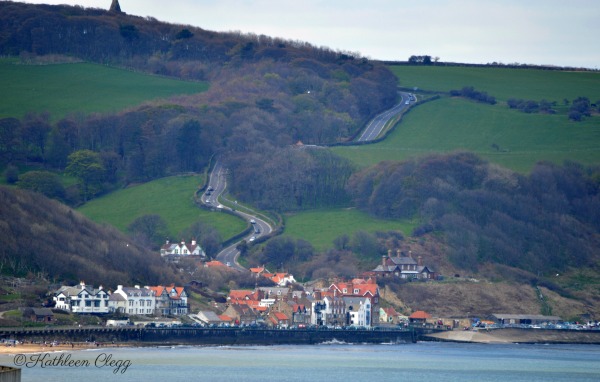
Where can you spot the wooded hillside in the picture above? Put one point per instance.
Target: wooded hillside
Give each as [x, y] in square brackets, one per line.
[265, 94]
[545, 222]
[41, 237]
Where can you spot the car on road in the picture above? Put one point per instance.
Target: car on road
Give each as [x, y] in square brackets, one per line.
[210, 189]
[253, 238]
[252, 221]
[407, 102]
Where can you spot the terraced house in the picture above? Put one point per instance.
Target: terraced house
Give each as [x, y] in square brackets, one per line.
[133, 300]
[170, 300]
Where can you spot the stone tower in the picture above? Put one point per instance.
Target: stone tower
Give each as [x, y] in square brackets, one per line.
[115, 7]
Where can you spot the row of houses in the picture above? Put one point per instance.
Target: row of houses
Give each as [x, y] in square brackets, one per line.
[348, 303]
[147, 300]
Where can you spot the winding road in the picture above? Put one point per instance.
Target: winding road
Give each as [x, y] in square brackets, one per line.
[377, 124]
[217, 183]
[212, 196]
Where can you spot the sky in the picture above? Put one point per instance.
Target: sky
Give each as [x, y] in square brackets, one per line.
[539, 32]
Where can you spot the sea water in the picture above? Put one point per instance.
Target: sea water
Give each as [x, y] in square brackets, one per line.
[427, 361]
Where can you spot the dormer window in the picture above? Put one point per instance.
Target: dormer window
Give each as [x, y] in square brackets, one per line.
[345, 290]
[356, 291]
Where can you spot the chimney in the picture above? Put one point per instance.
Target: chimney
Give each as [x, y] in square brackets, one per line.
[167, 241]
[419, 261]
[137, 287]
[119, 287]
[410, 254]
[398, 252]
[82, 285]
[383, 259]
[193, 241]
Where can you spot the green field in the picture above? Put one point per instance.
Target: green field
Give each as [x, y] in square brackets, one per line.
[171, 198]
[321, 227]
[507, 137]
[451, 124]
[63, 89]
[503, 83]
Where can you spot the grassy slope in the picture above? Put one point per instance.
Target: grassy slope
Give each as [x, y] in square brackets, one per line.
[451, 124]
[63, 89]
[458, 124]
[321, 227]
[171, 198]
[503, 83]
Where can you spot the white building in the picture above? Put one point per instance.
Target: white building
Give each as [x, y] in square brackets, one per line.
[358, 311]
[81, 299]
[182, 249]
[133, 301]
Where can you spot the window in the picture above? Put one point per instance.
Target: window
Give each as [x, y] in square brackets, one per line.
[356, 291]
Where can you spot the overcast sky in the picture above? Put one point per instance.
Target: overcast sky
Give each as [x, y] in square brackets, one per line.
[543, 32]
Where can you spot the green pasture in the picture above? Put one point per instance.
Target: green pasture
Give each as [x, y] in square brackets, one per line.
[321, 227]
[63, 89]
[503, 83]
[171, 198]
[451, 124]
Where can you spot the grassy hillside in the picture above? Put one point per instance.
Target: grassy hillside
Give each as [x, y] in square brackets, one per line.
[171, 198]
[321, 227]
[62, 89]
[523, 139]
[503, 83]
[451, 124]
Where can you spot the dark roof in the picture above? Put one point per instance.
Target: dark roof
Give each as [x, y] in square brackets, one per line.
[42, 311]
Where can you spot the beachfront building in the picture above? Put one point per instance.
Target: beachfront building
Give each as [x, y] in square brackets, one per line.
[133, 300]
[81, 299]
[170, 300]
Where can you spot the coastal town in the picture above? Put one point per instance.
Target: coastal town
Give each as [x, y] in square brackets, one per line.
[283, 304]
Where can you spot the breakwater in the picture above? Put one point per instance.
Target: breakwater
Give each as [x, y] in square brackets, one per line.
[209, 336]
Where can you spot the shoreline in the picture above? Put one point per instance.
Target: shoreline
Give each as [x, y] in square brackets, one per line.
[514, 335]
[29, 348]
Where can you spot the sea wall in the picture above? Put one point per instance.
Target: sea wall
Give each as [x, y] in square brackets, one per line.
[209, 336]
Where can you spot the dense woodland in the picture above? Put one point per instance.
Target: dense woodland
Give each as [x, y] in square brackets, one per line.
[546, 221]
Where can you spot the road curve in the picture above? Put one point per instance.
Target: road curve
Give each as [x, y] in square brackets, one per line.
[217, 183]
[214, 193]
[377, 124]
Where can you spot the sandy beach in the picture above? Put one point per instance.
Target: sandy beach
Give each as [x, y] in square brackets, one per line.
[520, 336]
[47, 348]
